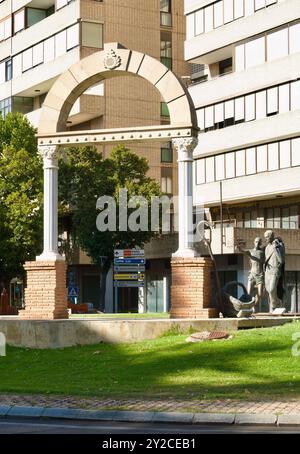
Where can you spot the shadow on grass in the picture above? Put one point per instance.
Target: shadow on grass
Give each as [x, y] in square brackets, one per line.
[250, 365]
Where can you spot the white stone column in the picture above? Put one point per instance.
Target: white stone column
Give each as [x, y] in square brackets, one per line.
[50, 158]
[185, 147]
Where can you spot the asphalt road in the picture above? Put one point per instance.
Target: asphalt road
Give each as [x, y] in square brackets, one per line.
[20, 426]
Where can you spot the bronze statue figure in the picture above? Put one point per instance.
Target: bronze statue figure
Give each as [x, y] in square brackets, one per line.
[274, 269]
[256, 275]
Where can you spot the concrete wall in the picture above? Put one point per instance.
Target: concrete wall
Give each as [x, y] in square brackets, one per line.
[68, 333]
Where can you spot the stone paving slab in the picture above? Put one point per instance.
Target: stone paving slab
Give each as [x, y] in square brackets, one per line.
[192, 405]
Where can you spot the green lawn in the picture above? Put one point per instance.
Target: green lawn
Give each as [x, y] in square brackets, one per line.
[254, 363]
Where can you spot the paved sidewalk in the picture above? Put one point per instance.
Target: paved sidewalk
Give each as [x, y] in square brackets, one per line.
[224, 406]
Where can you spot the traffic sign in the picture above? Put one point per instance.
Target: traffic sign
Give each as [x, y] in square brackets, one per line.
[129, 253]
[129, 261]
[73, 291]
[129, 277]
[129, 269]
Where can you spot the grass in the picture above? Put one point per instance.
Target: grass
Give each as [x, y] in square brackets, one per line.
[121, 316]
[251, 365]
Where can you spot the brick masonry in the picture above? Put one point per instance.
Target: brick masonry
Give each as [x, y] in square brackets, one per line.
[191, 288]
[46, 293]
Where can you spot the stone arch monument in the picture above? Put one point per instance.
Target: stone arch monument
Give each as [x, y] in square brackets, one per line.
[45, 296]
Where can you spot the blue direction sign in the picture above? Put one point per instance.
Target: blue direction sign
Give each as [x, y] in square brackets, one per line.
[129, 261]
[129, 269]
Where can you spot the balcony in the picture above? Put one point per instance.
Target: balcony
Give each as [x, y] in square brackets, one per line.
[201, 48]
[235, 84]
[49, 26]
[266, 185]
[86, 108]
[232, 235]
[42, 77]
[249, 134]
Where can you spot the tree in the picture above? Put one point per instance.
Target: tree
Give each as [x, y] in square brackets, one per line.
[84, 177]
[21, 194]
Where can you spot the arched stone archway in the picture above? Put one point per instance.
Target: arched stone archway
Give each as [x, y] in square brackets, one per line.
[114, 61]
[48, 272]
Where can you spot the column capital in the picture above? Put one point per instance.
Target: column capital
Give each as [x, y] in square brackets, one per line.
[50, 152]
[50, 155]
[185, 147]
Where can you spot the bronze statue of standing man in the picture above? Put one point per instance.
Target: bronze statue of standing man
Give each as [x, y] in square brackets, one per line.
[274, 269]
[256, 275]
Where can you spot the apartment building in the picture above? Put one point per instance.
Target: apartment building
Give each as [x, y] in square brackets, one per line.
[246, 89]
[40, 39]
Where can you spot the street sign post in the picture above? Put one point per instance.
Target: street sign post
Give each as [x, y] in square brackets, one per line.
[129, 270]
[73, 293]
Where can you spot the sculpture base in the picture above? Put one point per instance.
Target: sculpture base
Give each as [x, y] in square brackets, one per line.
[46, 293]
[191, 288]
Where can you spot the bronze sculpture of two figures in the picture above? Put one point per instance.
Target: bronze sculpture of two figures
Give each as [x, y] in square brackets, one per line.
[267, 269]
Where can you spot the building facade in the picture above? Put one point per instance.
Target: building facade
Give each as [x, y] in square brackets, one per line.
[246, 89]
[40, 39]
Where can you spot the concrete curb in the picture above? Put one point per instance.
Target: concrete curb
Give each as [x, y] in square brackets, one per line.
[260, 419]
[153, 417]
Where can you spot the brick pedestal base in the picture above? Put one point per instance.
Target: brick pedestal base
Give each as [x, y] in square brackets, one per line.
[191, 288]
[46, 293]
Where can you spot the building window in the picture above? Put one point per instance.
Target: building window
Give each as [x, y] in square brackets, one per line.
[16, 104]
[35, 15]
[277, 44]
[164, 110]
[166, 13]
[253, 106]
[5, 106]
[5, 28]
[278, 217]
[166, 49]
[253, 160]
[221, 13]
[19, 20]
[22, 104]
[92, 34]
[167, 153]
[273, 45]
[166, 185]
[47, 50]
[225, 66]
[8, 70]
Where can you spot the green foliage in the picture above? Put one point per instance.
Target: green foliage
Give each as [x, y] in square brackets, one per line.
[16, 132]
[21, 185]
[84, 177]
